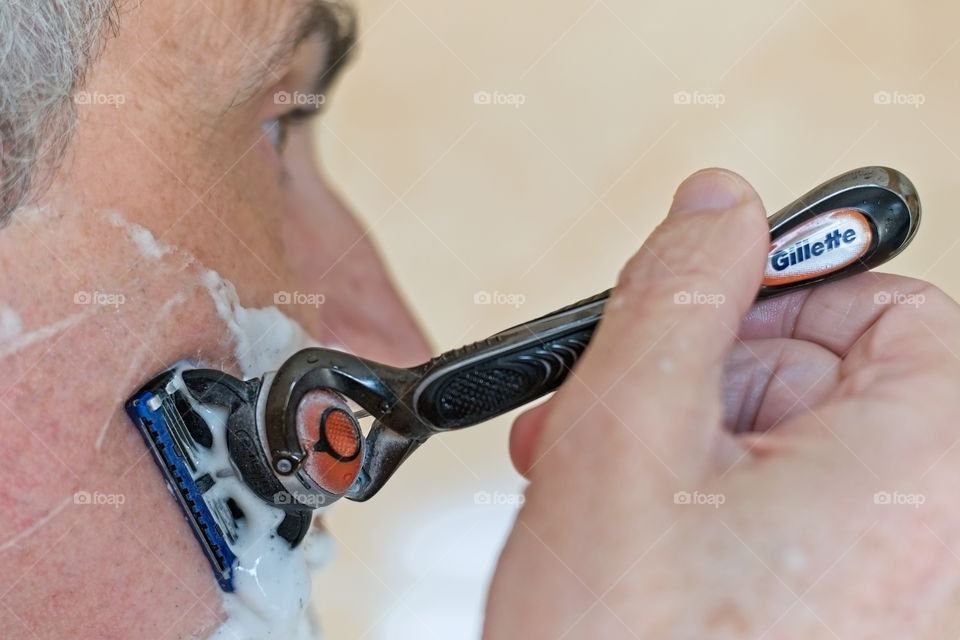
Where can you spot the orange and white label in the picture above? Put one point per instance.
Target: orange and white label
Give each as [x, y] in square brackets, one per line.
[818, 247]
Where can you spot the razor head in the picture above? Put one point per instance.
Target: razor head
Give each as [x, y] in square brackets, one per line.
[178, 439]
[200, 428]
[290, 439]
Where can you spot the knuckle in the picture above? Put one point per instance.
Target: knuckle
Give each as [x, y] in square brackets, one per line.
[918, 322]
[932, 293]
[893, 284]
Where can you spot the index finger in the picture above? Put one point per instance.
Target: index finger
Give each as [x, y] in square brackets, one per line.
[903, 318]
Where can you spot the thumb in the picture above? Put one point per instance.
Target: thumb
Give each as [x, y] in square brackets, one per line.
[650, 378]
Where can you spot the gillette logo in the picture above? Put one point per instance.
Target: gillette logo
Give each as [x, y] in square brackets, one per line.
[818, 247]
[805, 251]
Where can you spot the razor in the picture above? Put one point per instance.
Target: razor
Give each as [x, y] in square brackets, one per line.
[293, 437]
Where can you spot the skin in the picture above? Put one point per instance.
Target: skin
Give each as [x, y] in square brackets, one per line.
[202, 177]
[798, 549]
[835, 394]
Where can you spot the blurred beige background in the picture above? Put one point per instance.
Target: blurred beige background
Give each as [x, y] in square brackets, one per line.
[527, 149]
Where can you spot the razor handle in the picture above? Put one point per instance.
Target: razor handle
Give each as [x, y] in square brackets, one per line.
[845, 226]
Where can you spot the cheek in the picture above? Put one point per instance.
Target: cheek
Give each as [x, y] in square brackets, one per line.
[77, 351]
[223, 203]
[236, 229]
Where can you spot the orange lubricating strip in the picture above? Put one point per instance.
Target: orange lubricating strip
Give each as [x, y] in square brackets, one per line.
[332, 439]
[341, 433]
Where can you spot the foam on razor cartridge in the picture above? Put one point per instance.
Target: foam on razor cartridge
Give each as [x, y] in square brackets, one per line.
[180, 443]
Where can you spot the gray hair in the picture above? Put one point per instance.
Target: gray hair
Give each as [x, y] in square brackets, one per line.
[46, 47]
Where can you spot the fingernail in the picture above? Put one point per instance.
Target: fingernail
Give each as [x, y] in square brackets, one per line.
[710, 189]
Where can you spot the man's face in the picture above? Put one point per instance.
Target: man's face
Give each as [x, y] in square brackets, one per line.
[184, 162]
[212, 151]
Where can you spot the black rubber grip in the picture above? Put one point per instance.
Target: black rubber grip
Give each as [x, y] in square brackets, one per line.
[507, 370]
